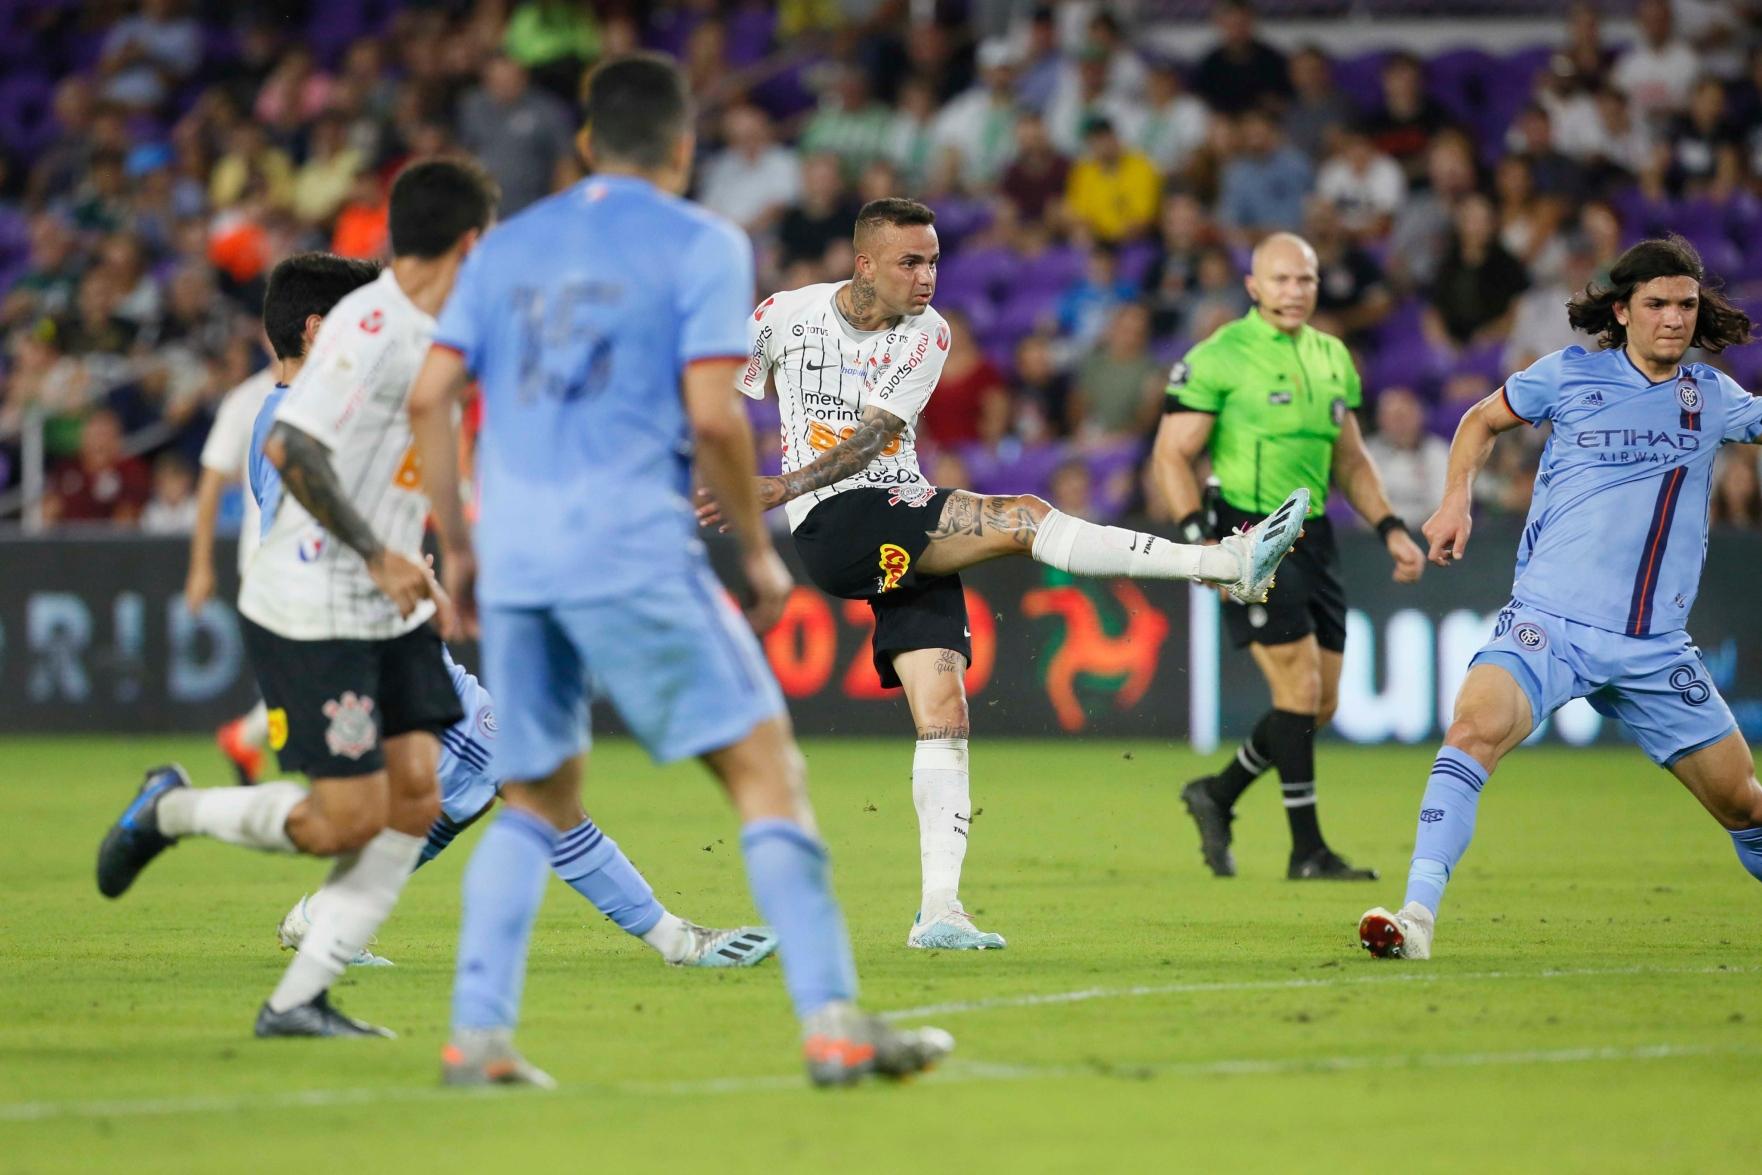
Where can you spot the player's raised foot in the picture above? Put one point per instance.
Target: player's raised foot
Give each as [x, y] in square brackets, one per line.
[245, 756]
[842, 1044]
[743, 946]
[294, 925]
[1405, 935]
[134, 840]
[1214, 826]
[1260, 548]
[1324, 864]
[317, 1018]
[951, 930]
[486, 1056]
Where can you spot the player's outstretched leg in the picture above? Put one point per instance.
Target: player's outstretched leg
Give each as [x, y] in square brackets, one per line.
[242, 742]
[167, 808]
[1722, 775]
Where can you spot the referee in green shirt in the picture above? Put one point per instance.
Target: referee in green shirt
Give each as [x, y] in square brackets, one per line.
[1272, 399]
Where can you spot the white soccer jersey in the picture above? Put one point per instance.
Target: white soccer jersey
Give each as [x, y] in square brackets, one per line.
[227, 451]
[826, 372]
[351, 396]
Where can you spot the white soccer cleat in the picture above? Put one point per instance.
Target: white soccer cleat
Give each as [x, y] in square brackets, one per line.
[743, 946]
[297, 923]
[951, 930]
[1406, 935]
[1260, 548]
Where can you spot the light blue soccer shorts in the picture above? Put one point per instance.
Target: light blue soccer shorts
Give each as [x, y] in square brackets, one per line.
[677, 661]
[1655, 686]
[467, 784]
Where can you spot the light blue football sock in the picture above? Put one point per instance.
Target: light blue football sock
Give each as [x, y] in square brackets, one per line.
[1446, 824]
[440, 835]
[788, 872]
[597, 869]
[504, 885]
[1748, 843]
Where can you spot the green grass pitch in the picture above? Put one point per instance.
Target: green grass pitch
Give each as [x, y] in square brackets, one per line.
[1592, 1006]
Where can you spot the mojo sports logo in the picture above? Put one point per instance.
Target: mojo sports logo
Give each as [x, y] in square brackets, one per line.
[895, 562]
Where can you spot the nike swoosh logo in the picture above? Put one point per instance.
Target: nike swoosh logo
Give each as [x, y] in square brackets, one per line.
[820, 366]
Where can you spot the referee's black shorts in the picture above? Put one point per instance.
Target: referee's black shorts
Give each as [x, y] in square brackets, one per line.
[1307, 595]
[864, 544]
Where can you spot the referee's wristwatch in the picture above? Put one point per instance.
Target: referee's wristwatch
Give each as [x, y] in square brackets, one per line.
[1192, 528]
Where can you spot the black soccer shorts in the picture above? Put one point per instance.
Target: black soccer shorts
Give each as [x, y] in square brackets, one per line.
[1308, 595]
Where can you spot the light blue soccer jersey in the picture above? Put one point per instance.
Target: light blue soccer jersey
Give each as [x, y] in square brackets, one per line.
[1617, 530]
[260, 471]
[578, 317]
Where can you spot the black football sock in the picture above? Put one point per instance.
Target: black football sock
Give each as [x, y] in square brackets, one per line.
[1291, 741]
[1251, 759]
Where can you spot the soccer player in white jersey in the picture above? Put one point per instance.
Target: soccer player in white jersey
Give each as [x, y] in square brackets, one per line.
[225, 455]
[337, 607]
[853, 364]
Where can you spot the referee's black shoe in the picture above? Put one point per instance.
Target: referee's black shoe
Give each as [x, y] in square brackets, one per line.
[1324, 864]
[1214, 826]
[134, 840]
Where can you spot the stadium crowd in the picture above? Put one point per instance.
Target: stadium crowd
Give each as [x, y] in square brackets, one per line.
[1096, 201]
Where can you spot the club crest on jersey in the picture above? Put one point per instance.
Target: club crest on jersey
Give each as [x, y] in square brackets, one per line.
[910, 495]
[942, 336]
[351, 732]
[311, 545]
[486, 722]
[278, 729]
[1688, 394]
[1530, 636]
[759, 314]
[373, 321]
[895, 562]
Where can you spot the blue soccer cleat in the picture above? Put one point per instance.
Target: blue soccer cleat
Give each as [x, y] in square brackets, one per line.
[1260, 548]
[951, 930]
[744, 946]
[134, 840]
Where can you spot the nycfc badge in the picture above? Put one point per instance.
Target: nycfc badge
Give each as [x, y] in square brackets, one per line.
[1688, 394]
[1530, 636]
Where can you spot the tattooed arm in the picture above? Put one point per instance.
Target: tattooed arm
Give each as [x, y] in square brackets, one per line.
[878, 429]
[307, 474]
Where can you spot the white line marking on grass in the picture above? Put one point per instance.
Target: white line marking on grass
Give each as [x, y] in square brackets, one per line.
[957, 1072]
[1411, 974]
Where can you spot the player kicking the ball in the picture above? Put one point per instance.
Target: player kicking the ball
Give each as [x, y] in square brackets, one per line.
[853, 364]
[1607, 568]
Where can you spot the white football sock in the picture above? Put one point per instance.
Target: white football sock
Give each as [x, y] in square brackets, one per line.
[255, 817]
[357, 896]
[1083, 548]
[256, 725]
[939, 790]
[669, 937]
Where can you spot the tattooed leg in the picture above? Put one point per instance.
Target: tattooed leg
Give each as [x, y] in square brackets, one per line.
[974, 528]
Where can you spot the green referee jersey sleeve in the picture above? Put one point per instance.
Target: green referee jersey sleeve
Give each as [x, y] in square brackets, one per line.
[1280, 401]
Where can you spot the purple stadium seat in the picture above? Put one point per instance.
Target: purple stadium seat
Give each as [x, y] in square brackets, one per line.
[25, 125]
[750, 31]
[1135, 259]
[1360, 78]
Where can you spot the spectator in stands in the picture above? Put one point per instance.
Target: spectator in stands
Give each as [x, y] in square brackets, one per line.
[1599, 227]
[327, 178]
[1173, 273]
[518, 133]
[101, 483]
[971, 403]
[1112, 191]
[1704, 159]
[1658, 70]
[361, 223]
[51, 279]
[123, 259]
[1478, 281]
[1071, 489]
[42, 377]
[911, 145]
[849, 123]
[1363, 186]
[251, 162]
[1403, 125]
[1041, 62]
[1422, 225]
[294, 94]
[146, 55]
[1218, 297]
[1460, 392]
[975, 135]
[96, 327]
[1041, 403]
[752, 180]
[1175, 122]
[1127, 75]
[101, 203]
[172, 508]
[1242, 72]
[1412, 461]
[63, 162]
[1351, 297]
[1552, 173]
[1737, 496]
[1085, 309]
[1083, 97]
[1538, 326]
[1317, 107]
[1035, 179]
[820, 218]
[1119, 386]
[1529, 221]
[554, 40]
[195, 313]
[1263, 186]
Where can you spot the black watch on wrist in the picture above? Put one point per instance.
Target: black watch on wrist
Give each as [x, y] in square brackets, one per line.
[1392, 522]
[1192, 528]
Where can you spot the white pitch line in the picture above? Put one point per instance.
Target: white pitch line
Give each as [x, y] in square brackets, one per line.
[1409, 974]
[953, 1073]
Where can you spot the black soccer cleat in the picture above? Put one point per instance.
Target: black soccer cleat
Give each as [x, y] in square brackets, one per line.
[317, 1018]
[1214, 826]
[1324, 864]
[134, 840]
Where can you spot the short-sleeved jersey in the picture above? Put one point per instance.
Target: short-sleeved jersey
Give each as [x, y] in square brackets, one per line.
[579, 317]
[1280, 401]
[352, 396]
[1617, 529]
[260, 472]
[227, 451]
[827, 372]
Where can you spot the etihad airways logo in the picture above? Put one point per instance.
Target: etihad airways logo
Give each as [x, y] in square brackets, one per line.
[1634, 438]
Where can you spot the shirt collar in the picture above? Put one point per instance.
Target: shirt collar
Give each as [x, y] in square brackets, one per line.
[1263, 331]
